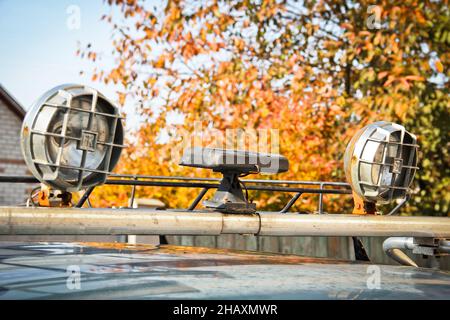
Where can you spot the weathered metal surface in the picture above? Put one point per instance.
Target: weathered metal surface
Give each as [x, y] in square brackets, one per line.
[76, 221]
[352, 225]
[121, 271]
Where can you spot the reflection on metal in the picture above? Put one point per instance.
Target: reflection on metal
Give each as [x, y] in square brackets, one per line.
[89, 221]
[122, 271]
[72, 137]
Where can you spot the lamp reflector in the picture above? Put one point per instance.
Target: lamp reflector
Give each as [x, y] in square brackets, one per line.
[380, 162]
[72, 137]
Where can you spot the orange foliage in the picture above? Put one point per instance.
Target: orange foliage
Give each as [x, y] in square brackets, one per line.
[312, 72]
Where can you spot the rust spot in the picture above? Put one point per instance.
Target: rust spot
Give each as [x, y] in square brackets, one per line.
[118, 246]
[26, 131]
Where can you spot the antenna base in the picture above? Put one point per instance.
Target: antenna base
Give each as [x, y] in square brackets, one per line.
[229, 197]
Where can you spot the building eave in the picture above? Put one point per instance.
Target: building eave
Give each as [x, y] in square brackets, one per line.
[12, 103]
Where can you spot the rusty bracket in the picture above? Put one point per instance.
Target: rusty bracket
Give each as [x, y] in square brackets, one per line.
[363, 207]
[54, 198]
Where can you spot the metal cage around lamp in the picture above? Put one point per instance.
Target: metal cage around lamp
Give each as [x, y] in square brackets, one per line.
[380, 162]
[72, 137]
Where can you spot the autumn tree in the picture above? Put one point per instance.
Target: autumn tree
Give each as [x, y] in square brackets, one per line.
[316, 71]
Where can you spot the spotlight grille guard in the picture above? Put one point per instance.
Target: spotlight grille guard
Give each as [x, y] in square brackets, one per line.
[38, 128]
[381, 161]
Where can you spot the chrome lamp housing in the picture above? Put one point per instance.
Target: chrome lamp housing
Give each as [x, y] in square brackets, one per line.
[72, 137]
[380, 162]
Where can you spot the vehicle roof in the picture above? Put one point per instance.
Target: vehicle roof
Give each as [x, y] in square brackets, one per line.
[123, 271]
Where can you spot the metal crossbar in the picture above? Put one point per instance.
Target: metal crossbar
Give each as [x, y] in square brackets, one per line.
[297, 187]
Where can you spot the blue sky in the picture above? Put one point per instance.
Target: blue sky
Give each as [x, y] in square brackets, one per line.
[38, 45]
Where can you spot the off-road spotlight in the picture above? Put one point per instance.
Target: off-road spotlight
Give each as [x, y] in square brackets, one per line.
[72, 137]
[380, 162]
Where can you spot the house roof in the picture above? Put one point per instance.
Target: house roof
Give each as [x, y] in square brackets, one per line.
[12, 102]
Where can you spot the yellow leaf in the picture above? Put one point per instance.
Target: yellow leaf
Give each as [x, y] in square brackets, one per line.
[381, 75]
[160, 62]
[122, 97]
[439, 66]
